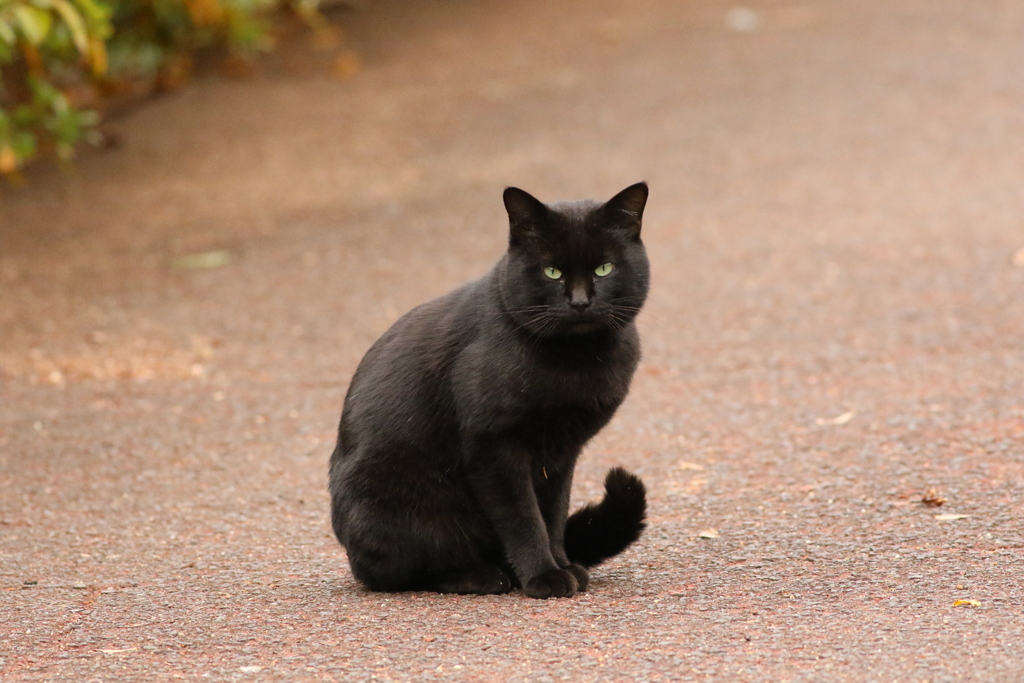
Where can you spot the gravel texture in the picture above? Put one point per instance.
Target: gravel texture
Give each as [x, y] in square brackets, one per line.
[835, 329]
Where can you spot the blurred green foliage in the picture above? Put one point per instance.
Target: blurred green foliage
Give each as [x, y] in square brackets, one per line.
[61, 59]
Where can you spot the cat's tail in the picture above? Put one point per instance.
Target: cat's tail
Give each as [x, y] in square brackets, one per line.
[602, 530]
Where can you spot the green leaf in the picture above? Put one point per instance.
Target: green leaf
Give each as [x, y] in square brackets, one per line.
[24, 144]
[87, 118]
[7, 35]
[75, 24]
[42, 91]
[98, 16]
[25, 115]
[35, 23]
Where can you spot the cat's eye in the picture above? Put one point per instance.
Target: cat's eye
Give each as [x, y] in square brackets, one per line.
[603, 269]
[553, 273]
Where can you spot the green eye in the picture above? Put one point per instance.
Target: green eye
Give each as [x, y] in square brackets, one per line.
[553, 273]
[603, 269]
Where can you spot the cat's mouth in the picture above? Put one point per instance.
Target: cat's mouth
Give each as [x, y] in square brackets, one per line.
[582, 322]
[584, 327]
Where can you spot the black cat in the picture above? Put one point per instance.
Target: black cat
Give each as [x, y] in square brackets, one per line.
[463, 423]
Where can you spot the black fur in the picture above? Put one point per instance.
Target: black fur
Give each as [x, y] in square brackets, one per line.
[463, 422]
[596, 532]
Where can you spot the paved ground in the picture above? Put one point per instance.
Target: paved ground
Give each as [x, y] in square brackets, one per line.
[835, 328]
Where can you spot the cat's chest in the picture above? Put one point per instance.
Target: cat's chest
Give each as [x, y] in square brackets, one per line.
[585, 382]
[498, 383]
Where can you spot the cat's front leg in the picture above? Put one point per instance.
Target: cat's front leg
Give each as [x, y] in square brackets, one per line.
[553, 489]
[500, 475]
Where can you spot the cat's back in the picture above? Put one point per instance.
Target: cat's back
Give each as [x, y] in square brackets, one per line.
[402, 381]
[428, 336]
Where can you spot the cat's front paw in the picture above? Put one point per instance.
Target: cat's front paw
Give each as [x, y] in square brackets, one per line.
[581, 574]
[554, 583]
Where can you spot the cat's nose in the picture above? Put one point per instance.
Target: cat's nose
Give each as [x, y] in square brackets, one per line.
[579, 300]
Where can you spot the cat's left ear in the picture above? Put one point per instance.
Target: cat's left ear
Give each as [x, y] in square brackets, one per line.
[626, 209]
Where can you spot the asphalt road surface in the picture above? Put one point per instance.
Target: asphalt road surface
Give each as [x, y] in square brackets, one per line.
[835, 335]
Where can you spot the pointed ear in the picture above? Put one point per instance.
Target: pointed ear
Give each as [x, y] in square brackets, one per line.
[626, 209]
[526, 213]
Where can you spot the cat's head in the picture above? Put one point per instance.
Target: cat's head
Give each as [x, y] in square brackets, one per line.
[575, 267]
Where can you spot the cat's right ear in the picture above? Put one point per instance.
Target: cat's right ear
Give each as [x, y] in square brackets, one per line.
[526, 214]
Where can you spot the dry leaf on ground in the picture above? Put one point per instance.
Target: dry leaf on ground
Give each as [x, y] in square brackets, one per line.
[837, 420]
[203, 260]
[742, 20]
